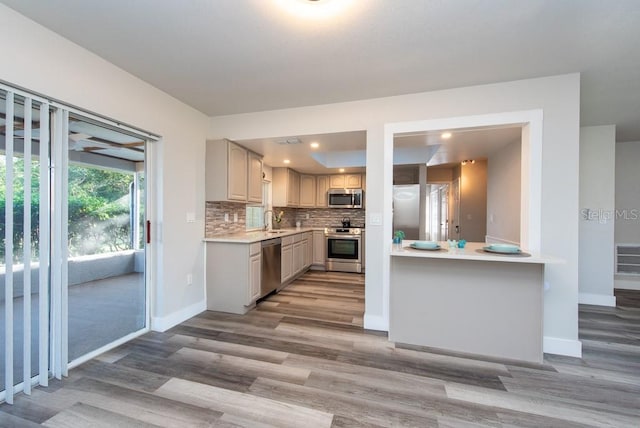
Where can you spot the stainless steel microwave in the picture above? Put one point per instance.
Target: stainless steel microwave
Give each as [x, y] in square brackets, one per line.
[345, 198]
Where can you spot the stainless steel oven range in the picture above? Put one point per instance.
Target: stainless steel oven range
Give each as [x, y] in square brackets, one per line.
[344, 249]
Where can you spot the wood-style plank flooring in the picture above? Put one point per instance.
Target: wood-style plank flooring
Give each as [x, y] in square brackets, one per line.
[302, 359]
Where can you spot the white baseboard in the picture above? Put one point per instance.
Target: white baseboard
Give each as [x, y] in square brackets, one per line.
[596, 299]
[375, 322]
[165, 323]
[626, 284]
[557, 346]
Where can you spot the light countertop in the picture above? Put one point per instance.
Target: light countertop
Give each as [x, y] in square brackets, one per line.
[472, 251]
[258, 235]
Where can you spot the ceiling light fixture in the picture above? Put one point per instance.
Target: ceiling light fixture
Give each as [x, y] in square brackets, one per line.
[314, 9]
[445, 135]
[314, 145]
[466, 161]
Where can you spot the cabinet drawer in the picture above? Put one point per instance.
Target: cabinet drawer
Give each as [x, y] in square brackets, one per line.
[287, 240]
[255, 248]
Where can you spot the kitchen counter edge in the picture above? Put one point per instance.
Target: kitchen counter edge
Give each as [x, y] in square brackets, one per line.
[470, 253]
[258, 235]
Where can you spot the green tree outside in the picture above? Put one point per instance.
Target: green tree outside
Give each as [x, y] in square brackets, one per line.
[98, 209]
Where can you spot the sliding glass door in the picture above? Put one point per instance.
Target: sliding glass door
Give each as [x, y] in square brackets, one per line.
[73, 254]
[106, 254]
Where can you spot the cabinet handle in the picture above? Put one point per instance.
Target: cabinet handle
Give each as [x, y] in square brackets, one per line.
[148, 232]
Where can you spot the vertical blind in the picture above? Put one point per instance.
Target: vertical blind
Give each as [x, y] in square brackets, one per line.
[20, 138]
[35, 288]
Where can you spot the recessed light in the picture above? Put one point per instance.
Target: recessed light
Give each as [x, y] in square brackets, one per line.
[314, 145]
[445, 135]
[341, 170]
[314, 9]
[287, 161]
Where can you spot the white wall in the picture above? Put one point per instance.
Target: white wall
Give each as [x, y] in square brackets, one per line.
[473, 201]
[627, 223]
[41, 61]
[503, 193]
[597, 212]
[557, 96]
[627, 190]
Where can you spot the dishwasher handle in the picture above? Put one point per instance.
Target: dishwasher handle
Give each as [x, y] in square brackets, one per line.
[271, 242]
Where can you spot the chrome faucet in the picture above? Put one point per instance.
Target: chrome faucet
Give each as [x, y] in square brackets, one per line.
[266, 225]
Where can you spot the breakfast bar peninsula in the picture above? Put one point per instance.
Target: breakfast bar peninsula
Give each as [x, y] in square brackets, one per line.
[468, 300]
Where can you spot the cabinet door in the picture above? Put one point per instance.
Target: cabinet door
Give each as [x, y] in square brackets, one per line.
[337, 181]
[307, 191]
[236, 173]
[293, 194]
[286, 263]
[322, 186]
[353, 181]
[255, 267]
[308, 249]
[298, 257]
[254, 189]
[318, 248]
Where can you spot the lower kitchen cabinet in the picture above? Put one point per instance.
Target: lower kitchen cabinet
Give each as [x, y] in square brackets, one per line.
[232, 285]
[308, 248]
[319, 249]
[255, 276]
[286, 260]
[298, 257]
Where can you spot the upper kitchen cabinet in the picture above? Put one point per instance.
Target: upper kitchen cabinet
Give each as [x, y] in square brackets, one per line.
[322, 187]
[307, 191]
[254, 185]
[345, 181]
[232, 173]
[286, 187]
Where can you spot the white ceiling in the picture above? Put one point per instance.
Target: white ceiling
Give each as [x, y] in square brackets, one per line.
[230, 56]
[301, 154]
[348, 149]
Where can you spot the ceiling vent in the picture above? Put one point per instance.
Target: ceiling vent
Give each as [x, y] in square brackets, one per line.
[288, 141]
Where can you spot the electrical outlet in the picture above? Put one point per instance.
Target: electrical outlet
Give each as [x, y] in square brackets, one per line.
[307, 216]
[235, 217]
[226, 217]
[189, 279]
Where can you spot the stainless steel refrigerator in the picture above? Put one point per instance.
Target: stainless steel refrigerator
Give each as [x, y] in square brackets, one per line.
[408, 211]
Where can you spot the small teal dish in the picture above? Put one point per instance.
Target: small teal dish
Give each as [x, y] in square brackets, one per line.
[503, 249]
[425, 245]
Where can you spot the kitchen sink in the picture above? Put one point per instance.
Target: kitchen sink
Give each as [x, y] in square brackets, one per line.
[277, 231]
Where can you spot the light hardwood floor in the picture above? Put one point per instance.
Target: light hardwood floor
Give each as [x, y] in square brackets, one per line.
[302, 359]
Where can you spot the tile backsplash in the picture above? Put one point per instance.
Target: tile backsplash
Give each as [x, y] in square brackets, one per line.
[214, 223]
[327, 217]
[318, 217]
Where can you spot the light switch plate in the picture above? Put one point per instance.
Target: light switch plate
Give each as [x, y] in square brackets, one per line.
[226, 217]
[375, 219]
[191, 217]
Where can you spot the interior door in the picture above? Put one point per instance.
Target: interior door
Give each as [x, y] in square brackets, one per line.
[455, 231]
[444, 211]
[434, 214]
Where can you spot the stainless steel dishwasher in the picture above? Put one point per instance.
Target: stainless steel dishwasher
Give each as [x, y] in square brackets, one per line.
[271, 268]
